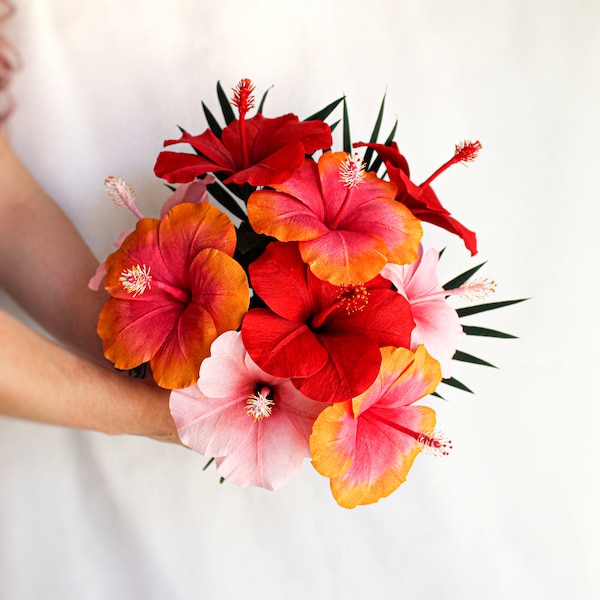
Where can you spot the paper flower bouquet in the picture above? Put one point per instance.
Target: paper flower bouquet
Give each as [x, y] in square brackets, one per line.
[302, 318]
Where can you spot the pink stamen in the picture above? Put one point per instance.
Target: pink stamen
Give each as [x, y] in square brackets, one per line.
[352, 171]
[122, 194]
[478, 289]
[259, 405]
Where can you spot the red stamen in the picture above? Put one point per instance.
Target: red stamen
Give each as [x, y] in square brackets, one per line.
[433, 443]
[243, 100]
[464, 152]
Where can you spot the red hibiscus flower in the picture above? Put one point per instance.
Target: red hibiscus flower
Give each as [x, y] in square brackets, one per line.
[421, 199]
[325, 338]
[259, 151]
[174, 288]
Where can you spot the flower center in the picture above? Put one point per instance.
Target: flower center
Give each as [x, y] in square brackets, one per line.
[259, 405]
[352, 297]
[352, 171]
[434, 443]
[136, 280]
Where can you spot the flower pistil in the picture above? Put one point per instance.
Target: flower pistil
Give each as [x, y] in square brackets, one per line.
[259, 405]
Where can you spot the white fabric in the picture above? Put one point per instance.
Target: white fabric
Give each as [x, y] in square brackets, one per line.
[513, 512]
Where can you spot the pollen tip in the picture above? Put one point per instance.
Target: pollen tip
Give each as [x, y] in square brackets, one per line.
[353, 297]
[466, 151]
[434, 443]
[243, 96]
[136, 280]
[352, 171]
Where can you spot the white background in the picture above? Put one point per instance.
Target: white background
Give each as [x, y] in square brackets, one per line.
[513, 512]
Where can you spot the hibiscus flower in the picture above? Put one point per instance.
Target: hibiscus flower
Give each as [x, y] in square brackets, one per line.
[421, 199]
[437, 325]
[325, 337]
[256, 425]
[345, 220]
[259, 151]
[174, 287]
[367, 445]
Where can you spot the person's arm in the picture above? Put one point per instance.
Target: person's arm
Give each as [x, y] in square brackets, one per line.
[43, 382]
[44, 263]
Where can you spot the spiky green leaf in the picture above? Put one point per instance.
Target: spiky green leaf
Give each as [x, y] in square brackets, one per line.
[212, 122]
[462, 278]
[228, 113]
[220, 193]
[261, 106]
[375, 134]
[464, 357]
[346, 137]
[322, 114]
[485, 332]
[452, 382]
[478, 308]
[390, 138]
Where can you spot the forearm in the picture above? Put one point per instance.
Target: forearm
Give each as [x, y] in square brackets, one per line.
[44, 263]
[43, 382]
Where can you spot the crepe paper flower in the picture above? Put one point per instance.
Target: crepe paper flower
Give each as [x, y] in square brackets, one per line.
[325, 338]
[193, 192]
[259, 151]
[421, 199]
[437, 325]
[174, 287]
[367, 445]
[255, 425]
[345, 220]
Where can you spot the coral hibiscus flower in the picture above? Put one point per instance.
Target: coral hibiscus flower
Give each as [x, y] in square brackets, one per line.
[325, 337]
[421, 199]
[368, 445]
[259, 151]
[174, 287]
[345, 220]
[437, 325]
[256, 425]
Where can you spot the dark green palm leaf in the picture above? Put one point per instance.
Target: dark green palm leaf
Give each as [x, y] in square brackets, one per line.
[375, 134]
[228, 113]
[262, 101]
[478, 308]
[390, 138]
[322, 114]
[457, 384]
[346, 137]
[462, 278]
[464, 357]
[485, 332]
[212, 122]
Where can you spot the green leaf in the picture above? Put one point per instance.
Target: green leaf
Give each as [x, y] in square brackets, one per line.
[228, 113]
[485, 332]
[347, 139]
[438, 395]
[390, 138]
[462, 278]
[208, 464]
[220, 193]
[464, 357]
[478, 308]
[457, 384]
[322, 114]
[262, 101]
[375, 134]
[212, 122]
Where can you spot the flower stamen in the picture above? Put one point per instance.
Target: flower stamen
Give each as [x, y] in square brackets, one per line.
[478, 289]
[243, 96]
[122, 194]
[352, 171]
[136, 280]
[465, 152]
[434, 443]
[354, 298]
[259, 405]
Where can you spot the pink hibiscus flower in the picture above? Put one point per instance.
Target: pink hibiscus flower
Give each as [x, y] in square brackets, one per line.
[437, 325]
[368, 445]
[256, 425]
[174, 287]
[345, 220]
[325, 337]
[421, 199]
[259, 151]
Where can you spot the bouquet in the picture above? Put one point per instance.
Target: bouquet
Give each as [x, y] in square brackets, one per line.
[284, 296]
